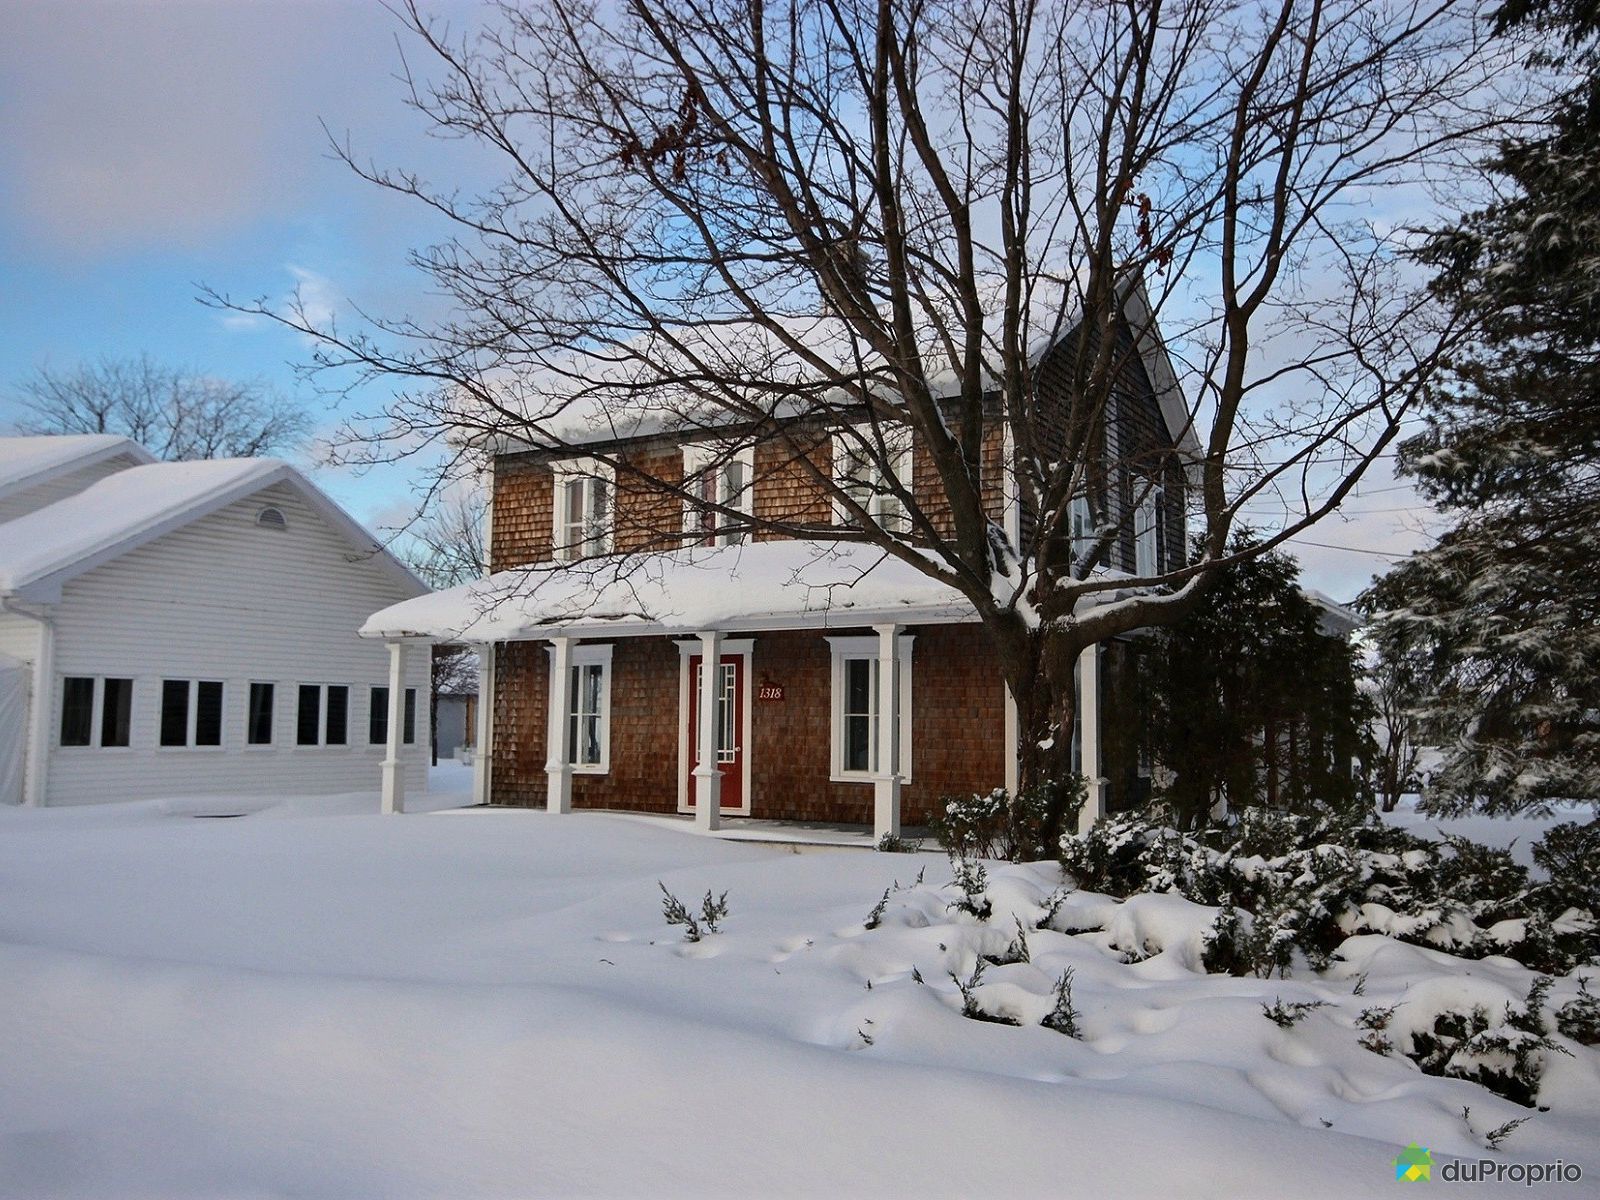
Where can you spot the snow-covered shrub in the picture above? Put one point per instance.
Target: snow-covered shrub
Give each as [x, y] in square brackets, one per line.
[1308, 881]
[1016, 950]
[1507, 1057]
[999, 825]
[973, 883]
[971, 1007]
[1579, 1018]
[1376, 1021]
[875, 917]
[1287, 1016]
[1063, 1016]
[712, 912]
[891, 843]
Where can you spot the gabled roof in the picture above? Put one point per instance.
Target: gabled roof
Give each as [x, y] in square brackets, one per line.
[603, 396]
[44, 549]
[27, 462]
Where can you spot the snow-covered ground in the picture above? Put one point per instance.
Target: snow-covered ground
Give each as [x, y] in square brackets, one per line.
[315, 1000]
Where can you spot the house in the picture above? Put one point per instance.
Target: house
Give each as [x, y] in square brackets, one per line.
[849, 686]
[189, 628]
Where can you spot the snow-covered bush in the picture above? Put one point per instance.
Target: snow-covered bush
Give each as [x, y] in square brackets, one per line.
[1579, 1018]
[1295, 883]
[999, 825]
[1506, 1056]
[973, 883]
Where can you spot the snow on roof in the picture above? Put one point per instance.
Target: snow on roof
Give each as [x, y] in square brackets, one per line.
[25, 461]
[39, 550]
[679, 380]
[756, 585]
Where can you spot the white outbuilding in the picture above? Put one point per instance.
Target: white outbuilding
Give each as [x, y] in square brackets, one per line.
[190, 628]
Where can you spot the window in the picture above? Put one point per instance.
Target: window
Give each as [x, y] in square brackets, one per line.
[860, 455]
[1081, 519]
[588, 732]
[718, 476]
[337, 727]
[582, 510]
[308, 719]
[258, 718]
[96, 711]
[1147, 535]
[322, 716]
[584, 721]
[116, 711]
[378, 717]
[272, 518]
[77, 711]
[856, 748]
[191, 712]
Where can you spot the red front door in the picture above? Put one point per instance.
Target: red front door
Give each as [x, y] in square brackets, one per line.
[730, 728]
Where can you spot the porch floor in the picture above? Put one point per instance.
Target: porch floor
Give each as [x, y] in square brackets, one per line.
[818, 834]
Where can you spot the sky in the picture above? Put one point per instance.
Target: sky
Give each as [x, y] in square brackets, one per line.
[150, 148]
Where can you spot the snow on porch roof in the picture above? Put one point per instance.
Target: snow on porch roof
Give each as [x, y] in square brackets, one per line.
[759, 585]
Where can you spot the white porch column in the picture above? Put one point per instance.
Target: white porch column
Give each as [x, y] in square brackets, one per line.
[394, 773]
[558, 760]
[485, 728]
[1094, 805]
[707, 777]
[886, 785]
[1013, 742]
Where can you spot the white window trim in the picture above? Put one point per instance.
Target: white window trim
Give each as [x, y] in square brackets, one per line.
[592, 471]
[1147, 534]
[842, 648]
[697, 457]
[903, 466]
[586, 655]
[193, 715]
[690, 648]
[96, 714]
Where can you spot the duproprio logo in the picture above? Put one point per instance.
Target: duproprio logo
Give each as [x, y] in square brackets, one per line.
[1413, 1164]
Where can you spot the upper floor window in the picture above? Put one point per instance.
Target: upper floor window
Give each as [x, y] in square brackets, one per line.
[1147, 535]
[583, 509]
[1081, 520]
[716, 477]
[872, 466]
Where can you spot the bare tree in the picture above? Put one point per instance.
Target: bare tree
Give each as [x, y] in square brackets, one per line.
[173, 413]
[760, 219]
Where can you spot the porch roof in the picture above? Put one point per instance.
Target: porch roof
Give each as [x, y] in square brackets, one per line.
[758, 585]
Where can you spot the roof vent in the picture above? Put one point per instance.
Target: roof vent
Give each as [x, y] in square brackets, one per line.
[272, 518]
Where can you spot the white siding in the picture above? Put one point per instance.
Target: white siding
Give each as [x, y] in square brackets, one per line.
[223, 598]
[19, 636]
[69, 483]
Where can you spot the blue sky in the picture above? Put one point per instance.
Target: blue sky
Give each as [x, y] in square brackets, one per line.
[151, 146]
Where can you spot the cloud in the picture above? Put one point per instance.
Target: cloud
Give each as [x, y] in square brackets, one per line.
[132, 125]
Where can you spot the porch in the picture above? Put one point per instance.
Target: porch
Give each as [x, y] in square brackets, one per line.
[850, 690]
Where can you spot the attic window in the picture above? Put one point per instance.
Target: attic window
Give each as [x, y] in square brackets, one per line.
[272, 518]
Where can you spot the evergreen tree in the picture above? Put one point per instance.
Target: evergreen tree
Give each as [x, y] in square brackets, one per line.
[1506, 608]
[1252, 703]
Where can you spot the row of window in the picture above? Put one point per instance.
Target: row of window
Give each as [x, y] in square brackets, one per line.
[98, 711]
[855, 701]
[584, 508]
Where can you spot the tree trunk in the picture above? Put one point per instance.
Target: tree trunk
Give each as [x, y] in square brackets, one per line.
[1040, 670]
